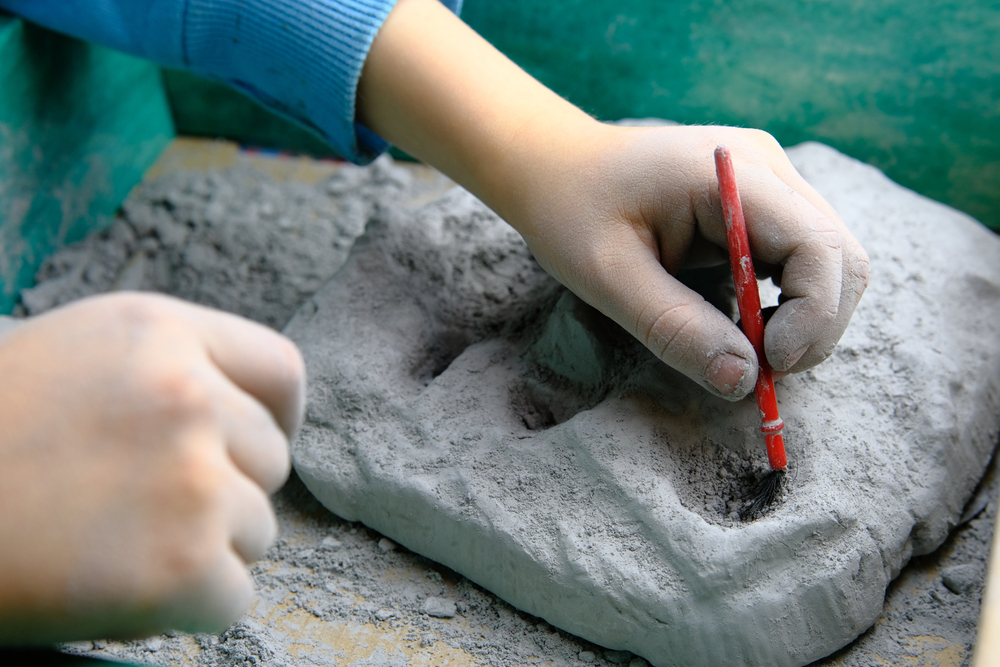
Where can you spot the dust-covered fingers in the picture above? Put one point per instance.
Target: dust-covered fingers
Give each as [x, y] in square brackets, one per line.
[252, 522]
[854, 280]
[854, 266]
[213, 601]
[254, 441]
[675, 322]
[823, 269]
[251, 439]
[260, 361]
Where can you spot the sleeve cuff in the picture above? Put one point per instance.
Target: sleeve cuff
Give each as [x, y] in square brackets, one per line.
[300, 58]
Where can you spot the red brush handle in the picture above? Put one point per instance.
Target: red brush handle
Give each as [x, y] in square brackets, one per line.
[748, 299]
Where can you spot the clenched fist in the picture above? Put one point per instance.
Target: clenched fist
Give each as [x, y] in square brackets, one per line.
[140, 437]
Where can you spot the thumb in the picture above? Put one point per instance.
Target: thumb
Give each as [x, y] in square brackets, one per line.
[678, 325]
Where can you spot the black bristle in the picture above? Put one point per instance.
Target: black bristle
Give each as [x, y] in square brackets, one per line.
[768, 490]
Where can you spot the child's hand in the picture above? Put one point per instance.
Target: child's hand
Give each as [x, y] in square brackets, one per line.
[141, 436]
[618, 211]
[614, 212]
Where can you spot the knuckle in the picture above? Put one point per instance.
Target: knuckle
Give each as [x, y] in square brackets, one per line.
[830, 237]
[136, 310]
[828, 316]
[822, 312]
[199, 479]
[669, 335]
[192, 562]
[233, 595]
[280, 469]
[762, 137]
[753, 139]
[289, 381]
[212, 594]
[180, 393]
[266, 527]
[190, 559]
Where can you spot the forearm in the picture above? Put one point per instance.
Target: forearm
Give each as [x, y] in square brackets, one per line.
[439, 91]
[613, 212]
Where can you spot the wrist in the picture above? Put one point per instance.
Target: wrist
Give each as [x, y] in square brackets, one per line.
[539, 156]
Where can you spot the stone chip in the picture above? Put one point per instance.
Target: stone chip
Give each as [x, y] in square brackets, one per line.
[438, 607]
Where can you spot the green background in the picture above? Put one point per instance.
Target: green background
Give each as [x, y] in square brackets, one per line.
[79, 125]
[910, 87]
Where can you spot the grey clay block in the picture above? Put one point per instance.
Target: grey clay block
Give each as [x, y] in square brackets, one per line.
[468, 407]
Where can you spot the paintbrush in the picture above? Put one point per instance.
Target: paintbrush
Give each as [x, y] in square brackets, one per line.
[748, 299]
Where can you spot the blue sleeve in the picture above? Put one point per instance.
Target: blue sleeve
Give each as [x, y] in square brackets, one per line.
[300, 58]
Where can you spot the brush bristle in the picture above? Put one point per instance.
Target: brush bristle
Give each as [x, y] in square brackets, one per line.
[767, 491]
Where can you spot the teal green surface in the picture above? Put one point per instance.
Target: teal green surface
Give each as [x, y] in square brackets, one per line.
[79, 125]
[910, 86]
[205, 108]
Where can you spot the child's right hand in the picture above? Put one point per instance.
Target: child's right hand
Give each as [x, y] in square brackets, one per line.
[615, 212]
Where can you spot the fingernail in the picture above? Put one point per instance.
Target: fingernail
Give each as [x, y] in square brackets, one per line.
[725, 373]
[794, 357]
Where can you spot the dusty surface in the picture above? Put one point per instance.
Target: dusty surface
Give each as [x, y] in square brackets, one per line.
[931, 610]
[299, 622]
[383, 619]
[464, 404]
[235, 238]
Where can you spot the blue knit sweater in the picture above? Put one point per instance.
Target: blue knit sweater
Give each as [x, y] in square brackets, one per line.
[301, 58]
